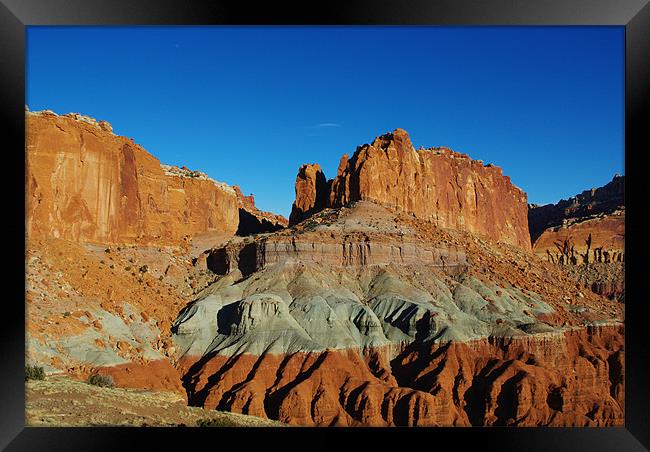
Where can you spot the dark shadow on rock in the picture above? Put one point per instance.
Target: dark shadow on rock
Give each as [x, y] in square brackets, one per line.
[247, 259]
[249, 224]
[218, 261]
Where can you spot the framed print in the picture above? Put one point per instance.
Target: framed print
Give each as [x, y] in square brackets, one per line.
[370, 219]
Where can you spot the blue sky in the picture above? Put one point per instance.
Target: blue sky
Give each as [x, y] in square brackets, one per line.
[249, 105]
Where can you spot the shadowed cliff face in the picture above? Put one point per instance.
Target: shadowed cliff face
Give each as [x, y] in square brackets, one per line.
[437, 185]
[253, 220]
[250, 224]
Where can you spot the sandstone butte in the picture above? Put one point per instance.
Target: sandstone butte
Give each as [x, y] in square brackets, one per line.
[373, 310]
[437, 184]
[88, 185]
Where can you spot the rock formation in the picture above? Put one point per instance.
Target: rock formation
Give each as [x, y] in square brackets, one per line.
[404, 293]
[587, 234]
[436, 184]
[424, 326]
[311, 193]
[589, 203]
[83, 183]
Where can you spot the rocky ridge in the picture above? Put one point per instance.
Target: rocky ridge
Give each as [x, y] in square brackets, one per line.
[439, 185]
[586, 235]
[587, 205]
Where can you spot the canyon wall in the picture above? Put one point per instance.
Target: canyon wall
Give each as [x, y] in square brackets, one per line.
[83, 183]
[439, 185]
[586, 235]
[600, 239]
[588, 204]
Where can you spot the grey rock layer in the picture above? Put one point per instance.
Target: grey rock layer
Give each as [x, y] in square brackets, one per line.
[303, 307]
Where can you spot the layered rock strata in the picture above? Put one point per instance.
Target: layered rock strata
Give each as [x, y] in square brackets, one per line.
[589, 203]
[85, 184]
[437, 184]
[586, 234]
[309, 339]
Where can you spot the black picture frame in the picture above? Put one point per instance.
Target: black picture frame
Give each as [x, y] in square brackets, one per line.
[634, 15]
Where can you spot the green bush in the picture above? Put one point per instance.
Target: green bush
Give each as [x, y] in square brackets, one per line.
[104, 381]
[218, 422]
[34, 373]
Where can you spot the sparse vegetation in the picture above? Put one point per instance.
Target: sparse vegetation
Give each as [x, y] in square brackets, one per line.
[144, 269]
[218, 422]
[104, 381]
[34, 373]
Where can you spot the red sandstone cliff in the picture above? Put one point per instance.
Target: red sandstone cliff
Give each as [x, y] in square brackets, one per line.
[311, 193]
[83, 183]
[600, 239]
[437, 184]
[595, 202]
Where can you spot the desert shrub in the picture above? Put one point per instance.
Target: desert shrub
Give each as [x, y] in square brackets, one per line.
[144, 269]
[104, 381]
[34, 373]
[218, 422]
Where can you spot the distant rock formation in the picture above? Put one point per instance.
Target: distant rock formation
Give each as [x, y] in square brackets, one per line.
[588, 204]
[83, 183]
[437, 184]
[311, 193]
[586, 233]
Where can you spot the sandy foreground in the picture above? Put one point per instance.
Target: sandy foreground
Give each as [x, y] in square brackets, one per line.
[66, 402]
